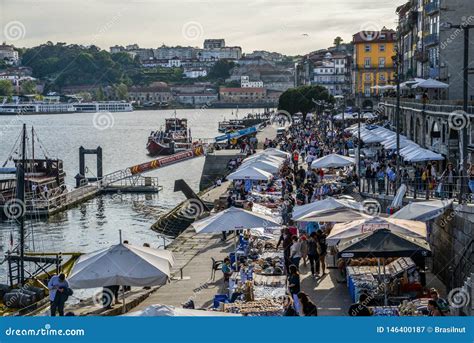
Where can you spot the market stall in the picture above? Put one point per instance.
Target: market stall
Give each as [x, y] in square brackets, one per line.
[379, 252]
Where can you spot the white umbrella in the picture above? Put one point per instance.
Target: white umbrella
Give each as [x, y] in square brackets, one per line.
[250, 173]
[329, 210]
[233, 219]
[171, 311]
[122, 264]
[264, 165]
[424, 210]
[364, 226]
[431, 84]
[410, 83]
[333, 161]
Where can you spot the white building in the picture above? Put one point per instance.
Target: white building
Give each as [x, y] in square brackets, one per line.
[174, 62]
[225, 53]
[9, 54]
[246, 83]
[195, 73]
[333, 74]
[182, 52]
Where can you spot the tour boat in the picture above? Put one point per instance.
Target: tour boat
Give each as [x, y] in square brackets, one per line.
[174, 138]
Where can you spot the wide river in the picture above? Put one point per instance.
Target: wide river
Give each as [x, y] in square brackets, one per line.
[122, 136]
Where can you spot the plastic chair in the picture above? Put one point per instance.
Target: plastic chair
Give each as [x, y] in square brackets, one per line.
[216, 265]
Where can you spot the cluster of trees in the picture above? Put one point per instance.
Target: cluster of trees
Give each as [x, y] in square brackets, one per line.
[304, 99]
[62, 65]
[65, 65]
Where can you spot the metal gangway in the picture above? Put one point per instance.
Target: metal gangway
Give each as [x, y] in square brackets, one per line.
[121, 180]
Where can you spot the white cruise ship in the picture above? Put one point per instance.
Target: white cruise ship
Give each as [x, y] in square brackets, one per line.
[60, 107]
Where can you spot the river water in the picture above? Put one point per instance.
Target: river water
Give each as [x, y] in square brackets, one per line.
[122, 136]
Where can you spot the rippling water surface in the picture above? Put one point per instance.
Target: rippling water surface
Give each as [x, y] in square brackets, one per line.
[122, 136]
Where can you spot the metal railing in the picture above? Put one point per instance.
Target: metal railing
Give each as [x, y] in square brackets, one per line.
[417, 188]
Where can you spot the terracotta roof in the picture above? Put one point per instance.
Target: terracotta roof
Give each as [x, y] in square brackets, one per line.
[242, 90]
[375, 36]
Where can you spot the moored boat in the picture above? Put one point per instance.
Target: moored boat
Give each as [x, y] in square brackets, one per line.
[176, 137]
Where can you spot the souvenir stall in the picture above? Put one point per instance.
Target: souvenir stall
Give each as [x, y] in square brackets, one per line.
[385, 265]
[258, 283]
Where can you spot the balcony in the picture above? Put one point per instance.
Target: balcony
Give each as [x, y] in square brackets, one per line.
[432, 7]
[408, 23]
[431, 39]
[421, 56]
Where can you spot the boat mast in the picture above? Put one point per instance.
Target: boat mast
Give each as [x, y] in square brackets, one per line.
[32, 143]
[20, 193]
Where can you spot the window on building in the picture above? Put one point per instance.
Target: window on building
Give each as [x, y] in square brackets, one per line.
[367, 62]
[367, 91]
[367, 77]
[367, 48]
[382, 62]
[382, 77]
[381, 47]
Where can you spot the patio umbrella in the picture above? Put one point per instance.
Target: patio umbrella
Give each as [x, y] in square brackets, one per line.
[233, 218]
[250, 173]
[123, 265]
[431, 84]
[171, 311]
[423, 210]
[333, 161]
[329, 210]
[363, 226]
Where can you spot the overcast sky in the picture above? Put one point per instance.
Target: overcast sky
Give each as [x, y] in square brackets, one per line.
[287, 26]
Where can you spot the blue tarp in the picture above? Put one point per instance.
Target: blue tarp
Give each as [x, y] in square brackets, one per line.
[236, 134]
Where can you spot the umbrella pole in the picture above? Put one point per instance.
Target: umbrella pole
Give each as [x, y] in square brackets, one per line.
[385, 285]
[123, 299]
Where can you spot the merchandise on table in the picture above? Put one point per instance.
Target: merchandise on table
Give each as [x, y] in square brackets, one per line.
[263, 307]
[385, 311]
[267, 292]
[415, 307]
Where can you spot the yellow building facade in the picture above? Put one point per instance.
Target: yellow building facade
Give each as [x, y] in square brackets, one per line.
[373, 61]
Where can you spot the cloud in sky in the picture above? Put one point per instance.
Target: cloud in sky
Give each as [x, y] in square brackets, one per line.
[288, 26]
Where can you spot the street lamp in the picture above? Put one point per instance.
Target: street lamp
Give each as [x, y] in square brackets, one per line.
[398, 62]
[464, 179]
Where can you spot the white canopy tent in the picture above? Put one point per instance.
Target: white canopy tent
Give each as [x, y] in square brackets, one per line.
[250, 173]
[333, 161]
[262, 164]
[171, 311]
[359, 227]
[422, 155]
[329, 210]
[233, 219]
[424, 210]
[275, 152]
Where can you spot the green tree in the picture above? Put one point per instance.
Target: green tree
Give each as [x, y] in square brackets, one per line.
[6, 88]
[121, 91]
[303, 99]
[338, 41]
[99, 94]
[28, 87]
[221, 70]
